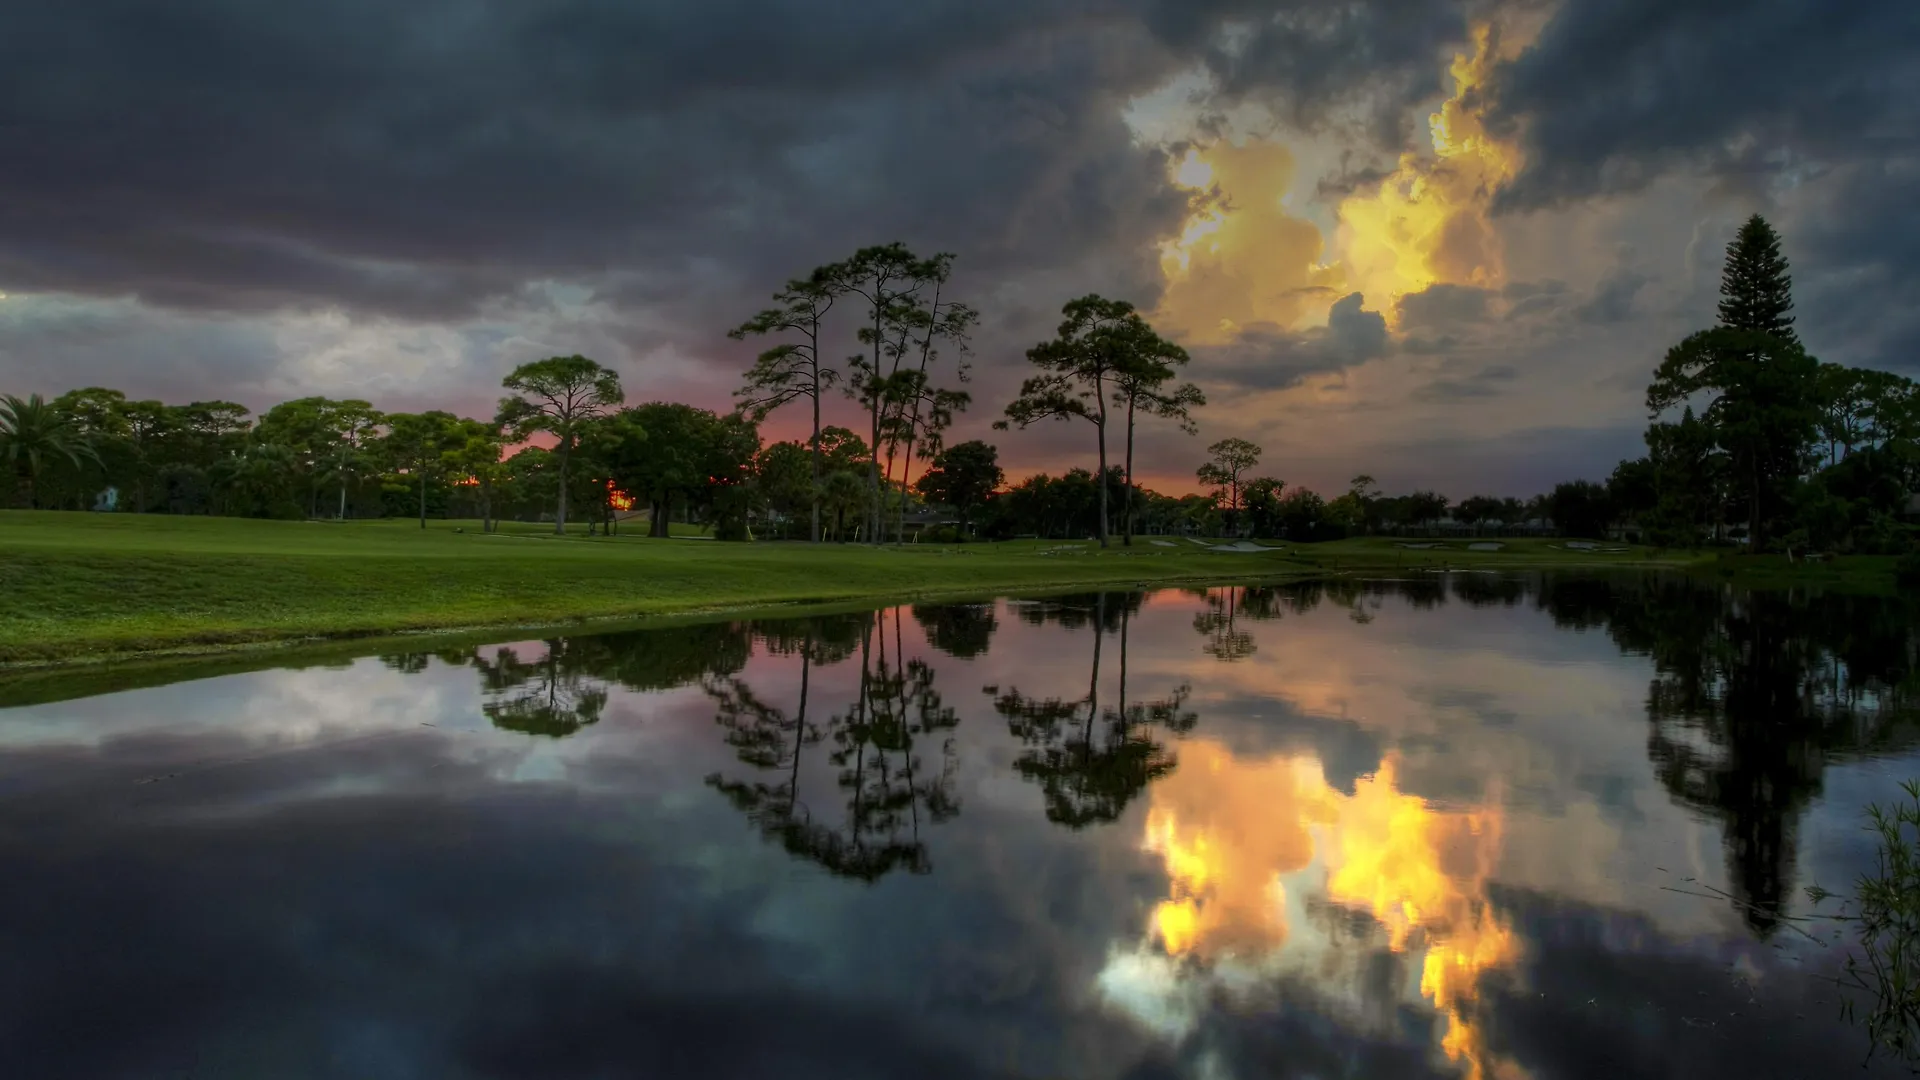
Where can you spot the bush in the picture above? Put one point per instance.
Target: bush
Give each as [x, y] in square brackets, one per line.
[942, 534]
[1906, 572]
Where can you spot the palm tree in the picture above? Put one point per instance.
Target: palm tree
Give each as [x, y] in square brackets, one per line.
[32, 431]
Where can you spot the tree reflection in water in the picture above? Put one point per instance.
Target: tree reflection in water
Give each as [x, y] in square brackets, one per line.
[1089, 761]
[874, 746]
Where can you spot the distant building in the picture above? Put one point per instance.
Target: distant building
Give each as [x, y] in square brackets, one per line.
[107, 501]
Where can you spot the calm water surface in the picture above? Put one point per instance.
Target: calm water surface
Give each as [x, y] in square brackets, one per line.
[1455, 826]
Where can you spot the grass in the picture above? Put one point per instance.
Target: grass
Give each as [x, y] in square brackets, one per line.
[76, 586]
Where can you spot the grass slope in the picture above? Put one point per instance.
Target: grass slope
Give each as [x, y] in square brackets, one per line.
[75, 585]
[79, 586]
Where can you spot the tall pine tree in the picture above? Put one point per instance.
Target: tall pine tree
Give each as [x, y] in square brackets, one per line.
[1755, 291]
[1764, 399]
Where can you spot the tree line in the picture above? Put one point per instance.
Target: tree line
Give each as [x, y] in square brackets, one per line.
[1783, 451]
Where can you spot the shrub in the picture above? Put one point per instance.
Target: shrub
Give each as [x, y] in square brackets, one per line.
[1906, 572]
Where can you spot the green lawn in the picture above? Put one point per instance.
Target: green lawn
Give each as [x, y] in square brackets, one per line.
[77, 586]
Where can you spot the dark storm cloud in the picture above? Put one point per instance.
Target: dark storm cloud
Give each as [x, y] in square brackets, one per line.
[1315, 53]
[1615, 92]
[1266, 358]
[419, 159]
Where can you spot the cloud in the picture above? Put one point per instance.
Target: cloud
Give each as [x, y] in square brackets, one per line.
[1489, 381]
[1519, 463]
[1616, 92]
[1268, 358]
[1440, 304]
[1612, 299]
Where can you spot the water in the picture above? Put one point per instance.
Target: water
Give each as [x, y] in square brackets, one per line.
[1453, 826]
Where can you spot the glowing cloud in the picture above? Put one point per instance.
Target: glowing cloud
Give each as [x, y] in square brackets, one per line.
[1242, 259]
[1426, 222]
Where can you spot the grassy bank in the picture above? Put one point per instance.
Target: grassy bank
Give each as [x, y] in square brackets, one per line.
[74, 586]
[90, 586]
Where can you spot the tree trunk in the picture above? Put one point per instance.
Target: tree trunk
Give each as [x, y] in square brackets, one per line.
[813, 534]
[1102, 481]
[873, 462]
[1126, 531]
[560, 514]
[423, 498]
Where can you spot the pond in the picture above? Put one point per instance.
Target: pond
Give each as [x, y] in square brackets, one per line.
[1459, 826]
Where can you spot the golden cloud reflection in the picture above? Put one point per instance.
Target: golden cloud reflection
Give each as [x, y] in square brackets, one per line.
[1236, 835]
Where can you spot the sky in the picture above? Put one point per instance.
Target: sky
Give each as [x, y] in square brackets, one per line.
[1442, 243]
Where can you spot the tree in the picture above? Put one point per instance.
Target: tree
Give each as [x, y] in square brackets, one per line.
[923, 411]
[1140, 386]
[783, 480]
[32, 433]
[324, 436]
[472, 448]
[1478, 509]
[887, 277]
[794, 369]
[355, 424]
[1764, 407]
[1078, 367]
[1231, 457]
[1302, 514]
[1580, 508]
[1687, 474]
[1423, 507]
[556, 396]
[1633, 491]
[1262, 498]
[963, 477]
[418, 442]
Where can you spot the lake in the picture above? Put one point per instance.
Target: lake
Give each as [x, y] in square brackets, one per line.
[1458, 825]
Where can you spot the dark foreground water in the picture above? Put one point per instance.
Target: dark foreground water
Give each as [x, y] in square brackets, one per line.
[1458, 826]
